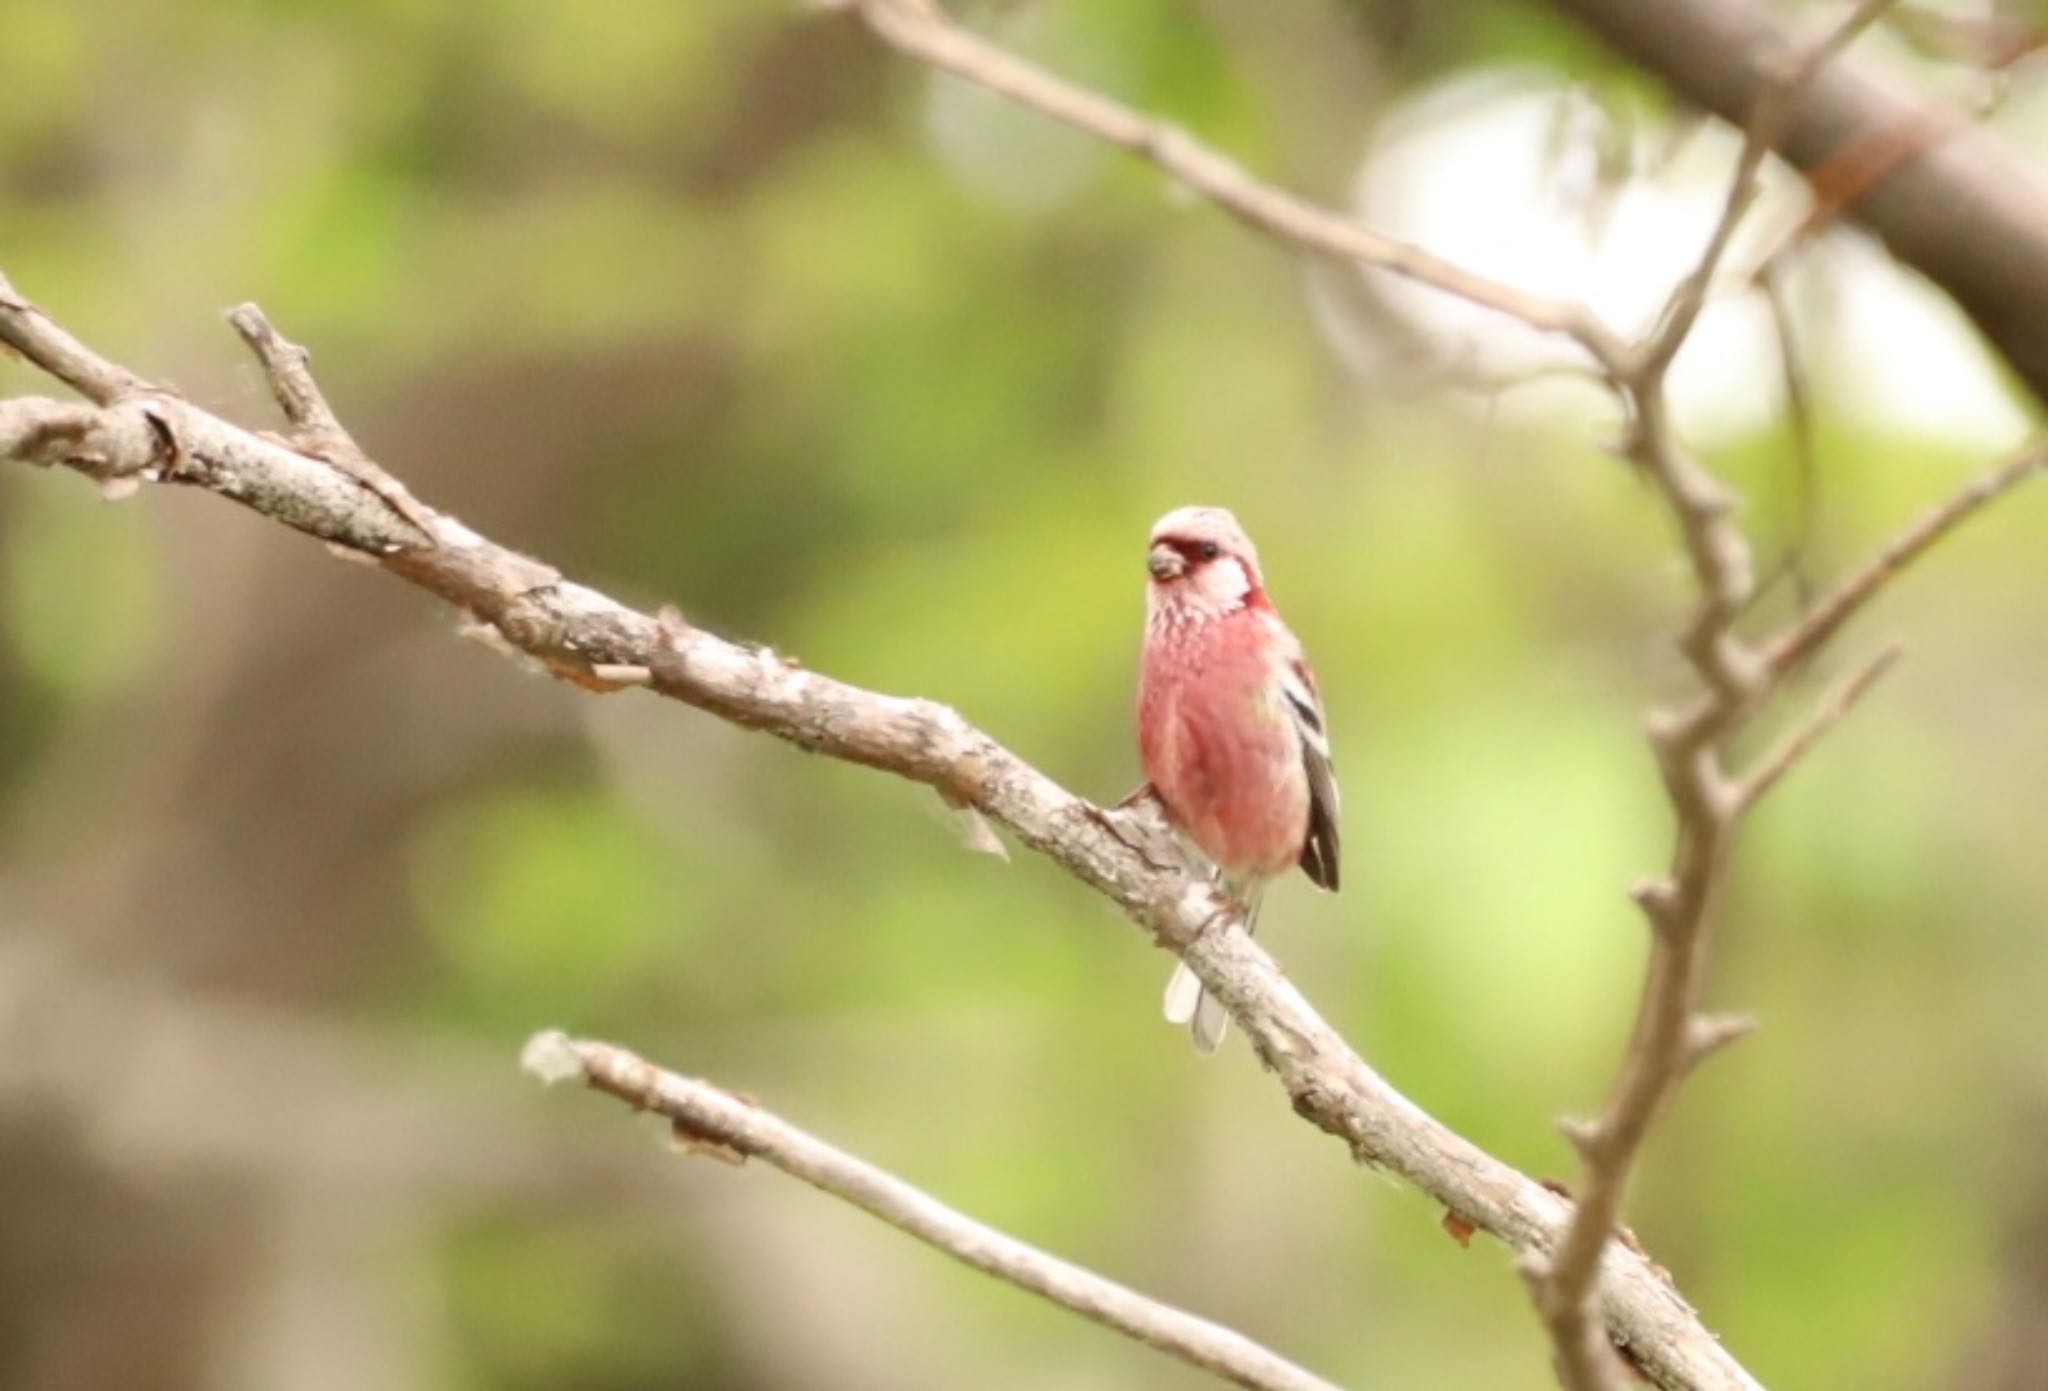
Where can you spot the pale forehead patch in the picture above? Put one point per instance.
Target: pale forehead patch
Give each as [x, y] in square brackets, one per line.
[1207, 525]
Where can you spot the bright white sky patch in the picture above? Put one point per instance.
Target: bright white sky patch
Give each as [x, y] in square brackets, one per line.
[1476, 171]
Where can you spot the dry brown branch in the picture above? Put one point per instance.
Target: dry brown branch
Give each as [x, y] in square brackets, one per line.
[1690, 748]
[1791, 649]
[1794, 560]
[49, 346]
[1951, 200]
[1671, 1035]
[316, 430]
[920, 30]
[1766, 123]
[703, 1115]
[584, 636]
[1771, 769]
[288, 368]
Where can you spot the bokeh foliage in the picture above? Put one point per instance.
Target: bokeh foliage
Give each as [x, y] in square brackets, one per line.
[713, 302]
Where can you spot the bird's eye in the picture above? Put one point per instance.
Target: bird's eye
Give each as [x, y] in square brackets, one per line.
[1210, 550]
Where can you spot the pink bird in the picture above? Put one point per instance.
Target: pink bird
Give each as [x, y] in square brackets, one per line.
[1230, 727]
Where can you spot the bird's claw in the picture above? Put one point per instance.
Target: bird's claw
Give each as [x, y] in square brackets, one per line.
[1127, 824]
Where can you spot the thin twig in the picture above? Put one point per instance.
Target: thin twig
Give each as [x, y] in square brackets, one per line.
[1689, 749]
[920, 30]
[289, 369]
[1795, 559]
[1766, 124]
[316, 430]
[1966, 214]
[1833, 707]
[705, 1115]
[48, 345]
[1792, 648]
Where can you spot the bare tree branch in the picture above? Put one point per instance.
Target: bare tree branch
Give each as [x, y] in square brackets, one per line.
[1833, 708]
[1950, 200]
[143, 433]
[704, 1115]
[1794, 560]
[1672, 1035]
[1791, 649]
[1779, 92]
[920, 30]
[1689, 754]
[49, 346]
[315, 428]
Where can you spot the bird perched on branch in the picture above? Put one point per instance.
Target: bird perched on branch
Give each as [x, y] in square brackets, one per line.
[1231, 728]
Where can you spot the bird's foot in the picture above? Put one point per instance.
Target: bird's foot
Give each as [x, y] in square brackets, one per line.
[1137, 824]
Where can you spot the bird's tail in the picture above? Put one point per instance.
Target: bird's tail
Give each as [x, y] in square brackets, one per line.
[1188, 1003]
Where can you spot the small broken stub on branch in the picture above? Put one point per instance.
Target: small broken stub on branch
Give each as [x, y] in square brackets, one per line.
[1459, 1229]
[685, 1140]
[601, 680]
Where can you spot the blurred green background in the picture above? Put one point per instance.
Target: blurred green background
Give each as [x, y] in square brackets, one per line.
[718, 303]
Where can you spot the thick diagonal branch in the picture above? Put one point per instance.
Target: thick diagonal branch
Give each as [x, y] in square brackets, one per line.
[586, 636]
[707, 1117]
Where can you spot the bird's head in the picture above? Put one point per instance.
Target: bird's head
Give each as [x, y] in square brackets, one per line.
[1202, 564]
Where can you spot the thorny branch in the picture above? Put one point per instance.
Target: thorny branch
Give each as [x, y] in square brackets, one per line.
[1672, 1033]
[704, 1116]
[136, 431]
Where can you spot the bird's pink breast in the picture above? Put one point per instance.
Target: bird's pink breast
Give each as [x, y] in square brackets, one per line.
[1217, 742]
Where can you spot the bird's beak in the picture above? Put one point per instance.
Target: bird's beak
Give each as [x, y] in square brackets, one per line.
[1165, 562]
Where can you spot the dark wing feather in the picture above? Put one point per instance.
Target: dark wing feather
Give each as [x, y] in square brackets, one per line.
[1319, 851]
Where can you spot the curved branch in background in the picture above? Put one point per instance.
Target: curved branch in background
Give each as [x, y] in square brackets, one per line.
[705, 1117]
[1950, 200]
[919, 29]
[137, 432]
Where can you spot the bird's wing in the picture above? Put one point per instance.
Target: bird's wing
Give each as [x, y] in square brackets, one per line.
[1305, 705]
